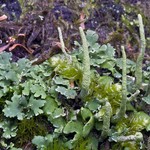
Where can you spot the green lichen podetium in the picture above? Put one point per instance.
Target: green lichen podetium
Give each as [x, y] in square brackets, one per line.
[139, 62]
[122, 111]
[106, 121]
[136, 137]
[86, 65]
[63, 45]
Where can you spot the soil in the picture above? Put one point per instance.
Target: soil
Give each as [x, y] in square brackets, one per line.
[34, 27]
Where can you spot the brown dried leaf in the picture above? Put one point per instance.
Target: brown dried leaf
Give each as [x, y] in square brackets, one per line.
[15, 45]
[4, 47]
[3, 17]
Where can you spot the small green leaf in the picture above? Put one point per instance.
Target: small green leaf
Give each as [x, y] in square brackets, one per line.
[38, 91]
[130, 64]
[97, 62]
[94, 48]
[26, 89]
[58, 123]
[58, 112]
[73, 126]
[103, 48]
[69, 93]
[148, 128]
[117, 75]
[5, 88]
[146, 99]
[109, 65]
[11, 75]
[114, 136]
[110, 51]
[94, 105]
[35, 105]
[91, 36]
[9, 129]
[61, 81]
[50, 105]
[13, 108]
[23, 64]
[86, 114]
[5, 58]
[39, 141]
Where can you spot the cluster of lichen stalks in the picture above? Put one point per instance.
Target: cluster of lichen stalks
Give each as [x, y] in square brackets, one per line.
[107, 119]
[138, 82]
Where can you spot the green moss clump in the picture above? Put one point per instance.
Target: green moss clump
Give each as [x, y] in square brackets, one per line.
[27, 129]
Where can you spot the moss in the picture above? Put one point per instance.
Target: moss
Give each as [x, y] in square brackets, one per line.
[116, 36]
[82, 145]
[27, 129]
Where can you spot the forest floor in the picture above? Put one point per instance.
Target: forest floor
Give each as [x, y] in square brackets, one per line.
[32, 31]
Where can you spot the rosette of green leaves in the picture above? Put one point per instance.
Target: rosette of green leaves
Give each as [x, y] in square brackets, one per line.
[23, 89]
[71, 127]
[79, 122]
[22, 86]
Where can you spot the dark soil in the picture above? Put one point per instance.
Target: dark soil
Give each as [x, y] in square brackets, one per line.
[36, 28]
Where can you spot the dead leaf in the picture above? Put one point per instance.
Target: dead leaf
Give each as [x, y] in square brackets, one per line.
[4, 47]
[15, 45]
[3, 17]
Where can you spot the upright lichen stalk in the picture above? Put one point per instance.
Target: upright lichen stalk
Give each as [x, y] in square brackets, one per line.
[139, 62]
[62, 44]
[86, 64]
[136, 137]
[124, 86]
[106, 121]
[122, 111]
